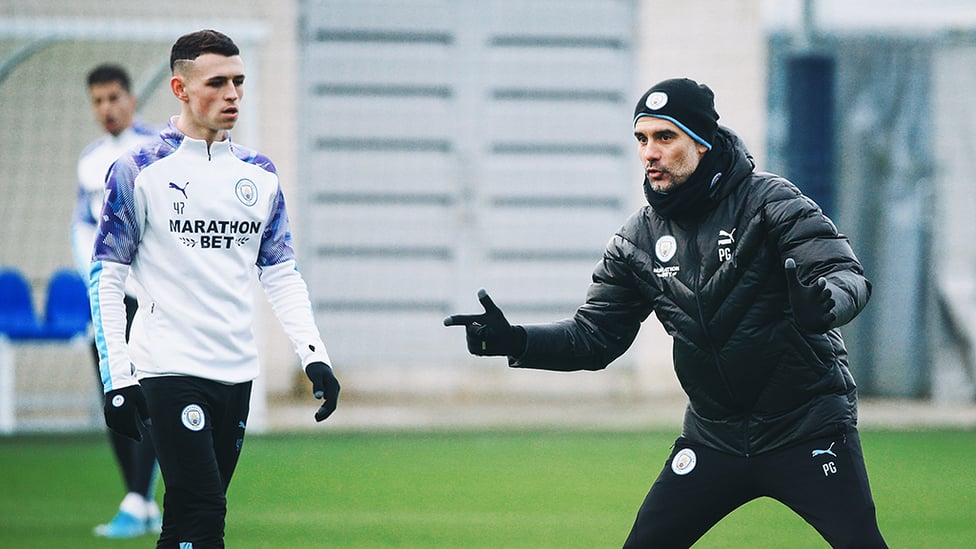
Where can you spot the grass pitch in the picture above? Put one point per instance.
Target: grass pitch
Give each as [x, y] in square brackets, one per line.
[499, 490]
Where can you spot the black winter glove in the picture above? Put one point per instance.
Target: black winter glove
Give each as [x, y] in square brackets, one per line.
[490, 334]
[813, 306]
[121, 408]
[324, 385]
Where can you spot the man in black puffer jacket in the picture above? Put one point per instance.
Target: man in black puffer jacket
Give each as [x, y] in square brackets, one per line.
[751, 280]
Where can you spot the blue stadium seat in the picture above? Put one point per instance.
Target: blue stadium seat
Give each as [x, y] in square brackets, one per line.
[66, 313]
[17, 317]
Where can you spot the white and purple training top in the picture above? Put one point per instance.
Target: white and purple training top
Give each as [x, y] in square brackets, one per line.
[194, 223]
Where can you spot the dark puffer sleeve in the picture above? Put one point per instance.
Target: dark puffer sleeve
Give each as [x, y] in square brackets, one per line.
[602, 328]
[804, 233]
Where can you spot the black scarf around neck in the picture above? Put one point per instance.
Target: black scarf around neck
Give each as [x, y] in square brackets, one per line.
[693, 197]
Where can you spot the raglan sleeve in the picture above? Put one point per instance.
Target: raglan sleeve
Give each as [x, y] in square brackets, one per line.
[286, 289]
[116, 244]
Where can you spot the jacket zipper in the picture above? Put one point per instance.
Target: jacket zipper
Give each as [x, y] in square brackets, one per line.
[708, 336]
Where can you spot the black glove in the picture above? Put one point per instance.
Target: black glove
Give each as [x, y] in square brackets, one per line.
[813, 306]
[122, 406]
[324, 385]
[490, 334]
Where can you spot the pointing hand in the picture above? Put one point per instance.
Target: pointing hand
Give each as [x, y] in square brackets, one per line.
[489, 333]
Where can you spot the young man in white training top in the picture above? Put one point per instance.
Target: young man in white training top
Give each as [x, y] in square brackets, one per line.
[194, 215]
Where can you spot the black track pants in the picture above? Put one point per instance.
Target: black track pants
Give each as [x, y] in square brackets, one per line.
[198, 429]
[824, 481]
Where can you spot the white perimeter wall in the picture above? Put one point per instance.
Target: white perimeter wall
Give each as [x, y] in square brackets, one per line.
[719, 42]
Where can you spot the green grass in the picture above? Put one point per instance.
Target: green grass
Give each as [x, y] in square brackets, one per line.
[534, 489]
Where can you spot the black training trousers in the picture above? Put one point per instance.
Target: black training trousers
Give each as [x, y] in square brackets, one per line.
[823, 480]
[198, 429]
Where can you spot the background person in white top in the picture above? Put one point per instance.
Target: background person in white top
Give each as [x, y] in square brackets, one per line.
[192, 214]
[114, 107]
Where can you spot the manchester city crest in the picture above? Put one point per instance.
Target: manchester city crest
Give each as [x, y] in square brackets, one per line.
[684, 461]
[665, 248]
[193, 418]
[247, 192]
[656, 100]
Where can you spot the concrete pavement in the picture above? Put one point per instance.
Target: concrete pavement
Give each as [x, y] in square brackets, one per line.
[665, 412]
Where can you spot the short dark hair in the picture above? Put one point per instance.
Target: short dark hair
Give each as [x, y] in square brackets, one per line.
[190, 46]
[107, 73]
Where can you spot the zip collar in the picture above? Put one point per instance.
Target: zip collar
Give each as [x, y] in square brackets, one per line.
[178, 139]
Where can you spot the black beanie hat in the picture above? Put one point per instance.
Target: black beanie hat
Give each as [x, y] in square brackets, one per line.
[684, 102]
